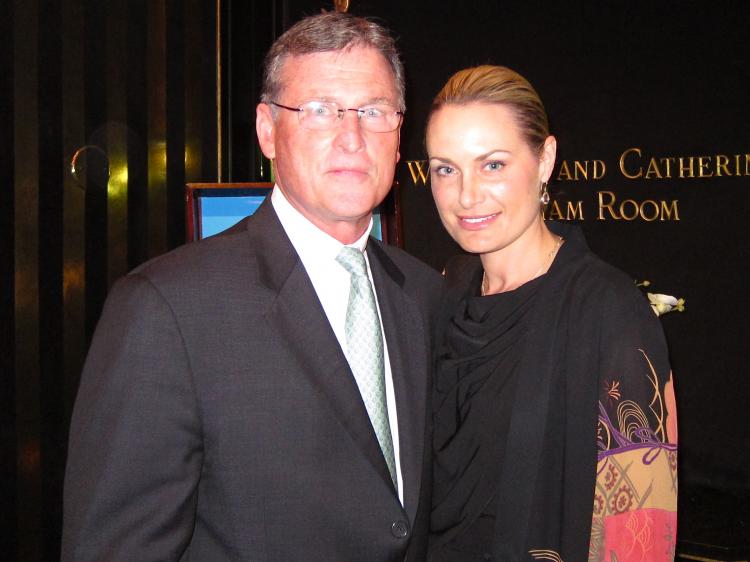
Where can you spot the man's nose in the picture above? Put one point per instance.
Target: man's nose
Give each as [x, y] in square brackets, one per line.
[350, 136]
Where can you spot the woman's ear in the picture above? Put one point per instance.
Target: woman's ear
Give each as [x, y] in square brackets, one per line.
[547, 158]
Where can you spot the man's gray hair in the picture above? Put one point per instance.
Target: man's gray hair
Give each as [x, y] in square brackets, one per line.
[329, 31]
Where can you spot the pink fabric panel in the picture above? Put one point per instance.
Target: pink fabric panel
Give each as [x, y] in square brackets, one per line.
[643, 535]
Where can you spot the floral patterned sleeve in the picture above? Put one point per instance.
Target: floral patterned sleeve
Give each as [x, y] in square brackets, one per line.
[635, 500]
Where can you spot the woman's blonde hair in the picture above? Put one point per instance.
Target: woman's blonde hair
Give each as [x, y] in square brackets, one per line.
[501, 85]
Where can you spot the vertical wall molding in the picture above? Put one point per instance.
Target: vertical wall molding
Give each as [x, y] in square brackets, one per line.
[26, 203]
[129, 86]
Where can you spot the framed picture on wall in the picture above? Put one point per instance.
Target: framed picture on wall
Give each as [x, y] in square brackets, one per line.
[213, 207]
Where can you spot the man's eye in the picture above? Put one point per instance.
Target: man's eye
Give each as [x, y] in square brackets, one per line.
[319, 110]
[372, 112]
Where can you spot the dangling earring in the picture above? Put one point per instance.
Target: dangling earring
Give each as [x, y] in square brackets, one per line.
[544, 199]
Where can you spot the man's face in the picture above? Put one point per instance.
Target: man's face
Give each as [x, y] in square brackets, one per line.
[334, 177]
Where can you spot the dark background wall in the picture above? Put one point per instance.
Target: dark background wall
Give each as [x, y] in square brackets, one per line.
[669, 78]
[132, 85]
[128, 85]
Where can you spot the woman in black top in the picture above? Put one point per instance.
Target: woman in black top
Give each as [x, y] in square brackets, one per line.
[554, 421]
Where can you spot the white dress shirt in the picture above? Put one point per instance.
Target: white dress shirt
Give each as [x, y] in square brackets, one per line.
[318, 252]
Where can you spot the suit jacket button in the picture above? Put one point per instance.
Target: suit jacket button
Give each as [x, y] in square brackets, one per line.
[400, 529]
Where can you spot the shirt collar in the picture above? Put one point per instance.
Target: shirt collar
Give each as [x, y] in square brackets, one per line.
[308, 240]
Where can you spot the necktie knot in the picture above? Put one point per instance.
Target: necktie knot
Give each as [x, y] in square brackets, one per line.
[353, 261]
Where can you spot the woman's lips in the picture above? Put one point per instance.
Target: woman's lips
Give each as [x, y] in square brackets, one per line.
[477, 222]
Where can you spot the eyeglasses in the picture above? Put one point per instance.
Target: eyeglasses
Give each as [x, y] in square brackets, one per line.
[323, 115]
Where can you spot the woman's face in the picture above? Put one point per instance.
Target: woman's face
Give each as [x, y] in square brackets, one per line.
[485, 177]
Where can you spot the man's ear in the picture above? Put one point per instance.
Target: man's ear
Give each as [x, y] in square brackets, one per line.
[265, 128]
[398, 150]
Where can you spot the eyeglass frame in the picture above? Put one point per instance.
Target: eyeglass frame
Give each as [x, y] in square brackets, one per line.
[341, 112]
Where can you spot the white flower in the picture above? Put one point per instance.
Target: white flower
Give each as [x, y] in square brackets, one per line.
[661, 304]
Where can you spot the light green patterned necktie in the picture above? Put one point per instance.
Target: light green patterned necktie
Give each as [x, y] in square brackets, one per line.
[364, 342]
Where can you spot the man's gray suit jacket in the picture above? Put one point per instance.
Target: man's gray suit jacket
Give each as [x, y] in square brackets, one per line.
[217, 417]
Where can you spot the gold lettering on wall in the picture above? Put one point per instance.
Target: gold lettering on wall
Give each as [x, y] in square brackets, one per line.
[582, 170]
[632, 175]
[653, 170]
[670, 212]
[722, 163]
[573, 211]
[667, 165]
[629, 209]
[703, 163]
[419, 170]
[633, 165]
[686, 170]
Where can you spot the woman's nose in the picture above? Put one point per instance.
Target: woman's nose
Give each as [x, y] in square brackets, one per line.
[471, 192]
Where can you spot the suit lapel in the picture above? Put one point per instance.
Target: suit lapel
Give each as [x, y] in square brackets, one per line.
[299, 319]
[404, 334]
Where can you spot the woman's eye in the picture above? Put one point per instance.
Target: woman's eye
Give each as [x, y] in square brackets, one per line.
[494, 166]
[444, 170]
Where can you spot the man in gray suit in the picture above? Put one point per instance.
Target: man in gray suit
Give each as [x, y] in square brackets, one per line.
[232, 406]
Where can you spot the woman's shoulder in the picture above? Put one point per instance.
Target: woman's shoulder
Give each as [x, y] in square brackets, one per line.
[594, 272]
[598, 285]
[586, 271]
